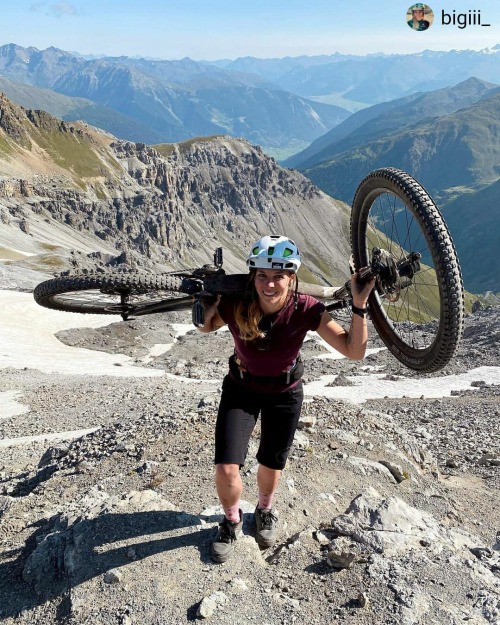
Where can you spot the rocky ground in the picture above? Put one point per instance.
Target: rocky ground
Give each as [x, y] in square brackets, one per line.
[389, 509]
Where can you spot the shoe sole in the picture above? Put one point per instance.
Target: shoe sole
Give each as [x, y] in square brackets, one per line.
[265, 543]
[262, 542]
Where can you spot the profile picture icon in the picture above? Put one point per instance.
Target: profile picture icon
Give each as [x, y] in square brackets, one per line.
[419, 16]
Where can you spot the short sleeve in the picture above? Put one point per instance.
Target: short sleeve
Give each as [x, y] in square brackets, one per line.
[315, 312]
[226, 309]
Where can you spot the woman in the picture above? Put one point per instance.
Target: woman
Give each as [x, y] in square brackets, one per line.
[268, 326]
[418, 21]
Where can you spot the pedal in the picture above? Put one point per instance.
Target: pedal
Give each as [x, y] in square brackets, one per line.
[198, 313]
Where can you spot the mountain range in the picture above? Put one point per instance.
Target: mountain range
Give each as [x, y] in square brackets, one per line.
[448, 139]
[281, 104]
[367, 80]
[157, 101]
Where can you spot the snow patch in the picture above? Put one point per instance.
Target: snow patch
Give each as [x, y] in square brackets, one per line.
[9, 406]
[42, 438]
[27, 341]
[374, 386]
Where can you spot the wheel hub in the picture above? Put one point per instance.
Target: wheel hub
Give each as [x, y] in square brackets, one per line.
[393, 275]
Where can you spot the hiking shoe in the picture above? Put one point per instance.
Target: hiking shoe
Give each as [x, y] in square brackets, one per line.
[266, 522]
[223, 545]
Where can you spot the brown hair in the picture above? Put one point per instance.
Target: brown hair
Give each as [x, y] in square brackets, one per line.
[248, 313]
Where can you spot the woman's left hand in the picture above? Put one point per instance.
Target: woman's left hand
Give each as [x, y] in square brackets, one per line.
[360, 290]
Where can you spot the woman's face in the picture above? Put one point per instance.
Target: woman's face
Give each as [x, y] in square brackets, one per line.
[272, 286]
[418, 14]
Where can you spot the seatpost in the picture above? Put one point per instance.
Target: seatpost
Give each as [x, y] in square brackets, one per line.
[218, 258]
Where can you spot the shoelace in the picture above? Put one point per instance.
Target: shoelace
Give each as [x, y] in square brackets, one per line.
[267, 519]
[227, 531]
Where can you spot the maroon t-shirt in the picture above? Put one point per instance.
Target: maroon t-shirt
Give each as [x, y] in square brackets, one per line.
[285, 331]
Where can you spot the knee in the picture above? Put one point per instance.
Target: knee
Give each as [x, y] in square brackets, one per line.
[228, 473]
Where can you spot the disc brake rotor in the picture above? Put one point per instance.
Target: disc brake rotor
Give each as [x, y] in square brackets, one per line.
[388, 279]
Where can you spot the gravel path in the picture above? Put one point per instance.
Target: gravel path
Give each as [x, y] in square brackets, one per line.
[115, 526]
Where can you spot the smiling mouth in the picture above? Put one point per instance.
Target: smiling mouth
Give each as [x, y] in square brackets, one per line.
[272, 294]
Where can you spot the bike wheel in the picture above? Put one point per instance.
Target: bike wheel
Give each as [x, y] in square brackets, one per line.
[418, 309]
[115, 293]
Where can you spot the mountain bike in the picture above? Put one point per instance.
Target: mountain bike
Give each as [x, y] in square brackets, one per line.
[397, 236]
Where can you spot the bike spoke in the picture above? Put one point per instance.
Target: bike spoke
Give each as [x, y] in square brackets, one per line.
[392, 226]
[417, 305]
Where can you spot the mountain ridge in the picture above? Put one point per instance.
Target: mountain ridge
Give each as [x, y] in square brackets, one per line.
[199, 89]
[167, 205]
[396, 114]
[177, 100]
[466, 140]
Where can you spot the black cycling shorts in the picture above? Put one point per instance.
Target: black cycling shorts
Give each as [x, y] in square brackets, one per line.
[239, 410]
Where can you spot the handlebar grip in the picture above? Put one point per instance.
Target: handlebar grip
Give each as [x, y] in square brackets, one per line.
[198, 314]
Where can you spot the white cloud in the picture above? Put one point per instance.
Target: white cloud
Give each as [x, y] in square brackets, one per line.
[58, 9]
[63, 8]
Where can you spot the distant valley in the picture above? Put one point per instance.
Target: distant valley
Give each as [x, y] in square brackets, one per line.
[447, 137]
[281, 104]
[449, 140]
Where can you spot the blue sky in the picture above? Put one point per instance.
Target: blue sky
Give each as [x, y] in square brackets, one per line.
[215, 29]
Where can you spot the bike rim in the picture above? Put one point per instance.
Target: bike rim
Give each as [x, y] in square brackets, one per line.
[414, 315]
[116, 301]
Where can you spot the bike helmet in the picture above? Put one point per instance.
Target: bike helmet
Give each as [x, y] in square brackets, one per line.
[418, 7]
[274, 252]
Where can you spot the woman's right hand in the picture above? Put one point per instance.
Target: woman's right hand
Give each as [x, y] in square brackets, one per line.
[213, 320]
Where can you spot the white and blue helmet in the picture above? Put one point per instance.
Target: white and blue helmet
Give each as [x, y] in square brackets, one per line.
[274, 252]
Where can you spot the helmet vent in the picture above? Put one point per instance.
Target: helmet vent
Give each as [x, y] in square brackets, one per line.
[270, 252]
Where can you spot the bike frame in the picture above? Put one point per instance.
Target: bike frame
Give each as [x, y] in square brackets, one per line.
[210, 279]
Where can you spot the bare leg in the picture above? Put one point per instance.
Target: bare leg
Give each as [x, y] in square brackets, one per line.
[229, 484]
[267, 480]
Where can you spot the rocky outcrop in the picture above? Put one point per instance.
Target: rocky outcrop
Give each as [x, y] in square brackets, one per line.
[11, 122]
[114, 524]
[173, 204]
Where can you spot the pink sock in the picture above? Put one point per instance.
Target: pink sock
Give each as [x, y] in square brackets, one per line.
[265, 501]
[233, 513]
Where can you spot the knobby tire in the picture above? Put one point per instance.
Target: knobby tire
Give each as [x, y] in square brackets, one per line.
[423, 328]
[105, 293]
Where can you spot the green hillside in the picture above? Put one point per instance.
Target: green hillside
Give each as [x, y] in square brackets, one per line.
[474, 220]
[376, 121]
[33, 138]
[460, 149]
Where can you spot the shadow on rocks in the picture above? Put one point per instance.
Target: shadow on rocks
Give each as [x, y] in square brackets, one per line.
[63, 554]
